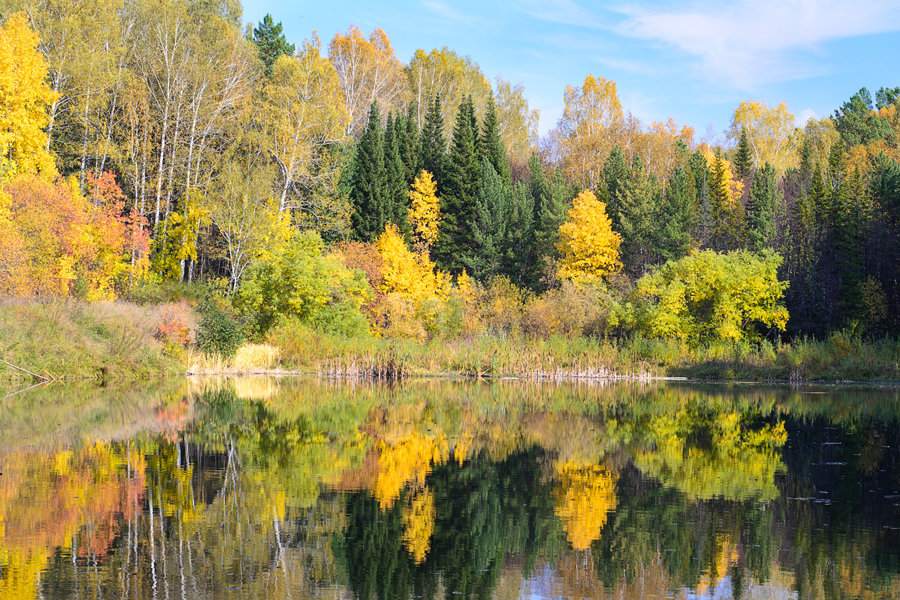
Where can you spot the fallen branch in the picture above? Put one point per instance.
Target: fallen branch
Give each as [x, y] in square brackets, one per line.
[35, 375]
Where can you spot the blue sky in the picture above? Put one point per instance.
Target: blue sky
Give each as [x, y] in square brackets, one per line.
[691, 60]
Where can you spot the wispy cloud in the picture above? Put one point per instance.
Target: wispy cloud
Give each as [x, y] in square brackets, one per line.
[449, 13]
[562, 12]
[754, 42]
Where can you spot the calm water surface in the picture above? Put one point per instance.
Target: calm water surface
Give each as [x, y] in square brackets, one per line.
[262, 488]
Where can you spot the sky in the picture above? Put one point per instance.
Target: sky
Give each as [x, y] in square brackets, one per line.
[692, 60]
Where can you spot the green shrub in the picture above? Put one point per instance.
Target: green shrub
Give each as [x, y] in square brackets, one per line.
[219, 332]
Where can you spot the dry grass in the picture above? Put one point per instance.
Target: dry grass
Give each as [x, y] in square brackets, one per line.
[249, 359]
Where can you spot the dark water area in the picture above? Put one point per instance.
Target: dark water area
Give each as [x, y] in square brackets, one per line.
[296, 488]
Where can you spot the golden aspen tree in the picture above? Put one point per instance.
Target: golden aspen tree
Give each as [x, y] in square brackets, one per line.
[368, 71]
[518, 122]
[590, 126]
[24, 99]
[588, 244]
[424, 212]
[453, 77]
[305, 110]
[770, 131]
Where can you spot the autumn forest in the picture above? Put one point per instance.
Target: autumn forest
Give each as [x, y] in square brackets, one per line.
[286, 194]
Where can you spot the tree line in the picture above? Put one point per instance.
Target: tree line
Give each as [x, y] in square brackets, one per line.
[170, 143]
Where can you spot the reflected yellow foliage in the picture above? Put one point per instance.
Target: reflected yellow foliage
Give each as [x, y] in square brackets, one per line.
[737, 464]
[418, 524]
[49, 499]
[408, 460]
[585, 495]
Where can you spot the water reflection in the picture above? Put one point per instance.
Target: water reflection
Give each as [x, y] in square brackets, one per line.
[263, 488]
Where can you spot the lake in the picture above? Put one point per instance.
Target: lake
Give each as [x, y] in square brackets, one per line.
[299, 488]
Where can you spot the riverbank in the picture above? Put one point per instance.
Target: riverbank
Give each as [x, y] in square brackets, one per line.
[101, 341]
[304, 351]
[124, 341]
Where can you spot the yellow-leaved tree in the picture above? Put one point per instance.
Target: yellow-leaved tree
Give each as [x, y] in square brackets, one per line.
[416, 293]
[587, 242]
[424, 211]
[770, 131]
[24, 98]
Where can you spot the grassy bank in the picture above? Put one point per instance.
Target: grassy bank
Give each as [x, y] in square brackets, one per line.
[840, 357]
[122, 341]
[97, 341]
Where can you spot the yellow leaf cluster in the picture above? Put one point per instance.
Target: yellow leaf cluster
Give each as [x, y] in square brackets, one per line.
[406, 461]
[588, 244]
[770, 131]
[418, 524]
[24, 98]
[410, 275]
[585, 495]
[425, 211]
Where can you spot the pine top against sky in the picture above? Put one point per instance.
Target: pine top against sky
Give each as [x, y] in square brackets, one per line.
[693, 60]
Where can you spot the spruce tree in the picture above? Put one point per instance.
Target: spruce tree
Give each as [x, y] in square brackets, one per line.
[484, 258]
[638, 200]
[270, 43]
[409, 144]
[461, 175]
[615, 174]
[490, 144]
[700, 175]
[743, 159]
[538, 185]
[554, 212]
[520, 251]
[761, 207]
[675, 217]
[432, 148]
[367, 193]
[395, 187]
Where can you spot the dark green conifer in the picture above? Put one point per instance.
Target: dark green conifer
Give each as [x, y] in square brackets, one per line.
[483, 259]
[490, 144]
[367, 192]
[270, 43]
[463, 169]
[433, 149]
[675, 217]
[395, 187]
[761, 208]
[743, 158]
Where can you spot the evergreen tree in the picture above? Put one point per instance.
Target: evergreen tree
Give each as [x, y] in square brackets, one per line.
[409, 144]
[675, 217]
[537, 184]
[699, 172]
[554, 212]
[484, 258]
[491, 146]
[368, 190]
[396, 195]
[806, 164]
[462, 172]
[638, 200]
[520, 260]
[615, 174]
[856, 122]
[270, 43]
[743, 159]
[761, 208]
[432, 148]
